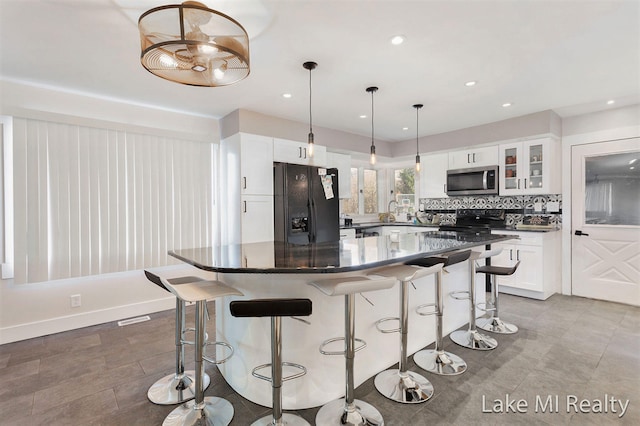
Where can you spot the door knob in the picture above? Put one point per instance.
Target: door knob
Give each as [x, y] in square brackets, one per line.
[580, 233]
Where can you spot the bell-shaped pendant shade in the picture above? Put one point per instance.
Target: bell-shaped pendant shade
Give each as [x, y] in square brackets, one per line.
[191, 44]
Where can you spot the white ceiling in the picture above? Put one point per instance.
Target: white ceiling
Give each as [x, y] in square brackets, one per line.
[569, 56]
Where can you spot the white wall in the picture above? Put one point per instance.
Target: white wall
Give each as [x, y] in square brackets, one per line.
[30, 310]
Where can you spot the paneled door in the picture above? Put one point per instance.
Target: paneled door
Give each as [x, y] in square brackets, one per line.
[605, 249]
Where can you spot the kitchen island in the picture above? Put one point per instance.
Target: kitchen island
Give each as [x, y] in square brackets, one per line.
[278, 270]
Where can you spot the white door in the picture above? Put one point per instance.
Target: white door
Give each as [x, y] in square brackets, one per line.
[605, 249]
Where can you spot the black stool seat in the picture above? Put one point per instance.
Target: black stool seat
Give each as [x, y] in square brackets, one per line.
[446, 259]
[498, 270]
[271, 308]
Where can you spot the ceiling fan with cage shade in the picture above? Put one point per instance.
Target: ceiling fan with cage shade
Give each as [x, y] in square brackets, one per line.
[191, 44]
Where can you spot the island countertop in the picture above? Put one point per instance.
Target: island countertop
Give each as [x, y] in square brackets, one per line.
[333, 257]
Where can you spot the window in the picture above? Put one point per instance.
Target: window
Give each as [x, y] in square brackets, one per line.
[350, 206]
[370, 188]
[363, 182]
[404, 189]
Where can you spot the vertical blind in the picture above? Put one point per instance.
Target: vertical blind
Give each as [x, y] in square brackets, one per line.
[90, 201]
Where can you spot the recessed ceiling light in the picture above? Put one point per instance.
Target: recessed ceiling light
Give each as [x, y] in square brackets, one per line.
[611, 102]
[506, 104]
[363, 116]
[633, 161]
[405, 128]
[396, 40]
[632, 168]
[470, 83]
[286, 95]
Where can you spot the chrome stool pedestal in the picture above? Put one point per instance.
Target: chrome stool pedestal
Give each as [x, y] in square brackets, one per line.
[438, 360]
[276, 309]
[349, 411]
[471, 338]
[178, 387]
[400, 384]
[201, 410]
[494, 324]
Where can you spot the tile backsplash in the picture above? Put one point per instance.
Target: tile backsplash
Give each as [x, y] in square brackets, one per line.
[516, 207]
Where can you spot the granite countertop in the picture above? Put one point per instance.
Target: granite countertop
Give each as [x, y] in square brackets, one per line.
[341, 256]
[366, 225]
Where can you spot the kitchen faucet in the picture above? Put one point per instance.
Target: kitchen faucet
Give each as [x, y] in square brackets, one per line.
[389, 209]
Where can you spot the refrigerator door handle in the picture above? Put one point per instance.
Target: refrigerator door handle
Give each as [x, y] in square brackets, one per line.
[312, 225]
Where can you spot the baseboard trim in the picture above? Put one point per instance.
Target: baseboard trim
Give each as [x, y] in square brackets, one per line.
[85, 319]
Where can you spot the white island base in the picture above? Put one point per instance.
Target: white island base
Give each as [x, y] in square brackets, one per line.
[325, 378]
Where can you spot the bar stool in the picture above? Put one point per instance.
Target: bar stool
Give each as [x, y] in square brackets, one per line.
[275, 308]
[399, 384]
[178, 387]
[494, 324]
[201, 410]
[348, 410]
[437, 360]
[471, 338]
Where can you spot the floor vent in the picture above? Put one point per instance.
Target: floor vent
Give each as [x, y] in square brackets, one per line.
[133, 320]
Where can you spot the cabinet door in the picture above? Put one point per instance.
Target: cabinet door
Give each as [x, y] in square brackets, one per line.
[256, 165]
[506, 258]
[347, 233]
[478, 157]
[257, 218]
[319, 157]
[511, 179]
[433, 176]
[342, 162]
[286, 151]
[542, 165]
[529, 273]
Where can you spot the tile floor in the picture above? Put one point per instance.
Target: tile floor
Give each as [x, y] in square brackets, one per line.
[574, 348]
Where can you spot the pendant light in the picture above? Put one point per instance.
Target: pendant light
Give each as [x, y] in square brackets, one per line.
[310, 66]
[191, 44]
[417, 107]
[372, 90]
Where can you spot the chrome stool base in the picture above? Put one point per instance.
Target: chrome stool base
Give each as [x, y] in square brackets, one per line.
[335, 413]
[413, 388]
[212, 411]
[473, 340]
[175, 389]
[440, 362]
[287, 419]
[496, 325]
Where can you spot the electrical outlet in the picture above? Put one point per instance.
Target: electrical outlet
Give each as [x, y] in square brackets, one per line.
[553, 207]
[76, 300]
[537, 207]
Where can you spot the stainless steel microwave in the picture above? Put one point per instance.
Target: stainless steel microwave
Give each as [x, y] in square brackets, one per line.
[477, 180]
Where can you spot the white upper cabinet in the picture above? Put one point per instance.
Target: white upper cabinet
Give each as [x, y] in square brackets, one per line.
[478, 157]
[530, 167]
[342, 162]
[433, 175]
[287, 151]
[256, 165]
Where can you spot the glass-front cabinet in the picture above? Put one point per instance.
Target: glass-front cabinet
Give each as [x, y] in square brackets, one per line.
[529, 167]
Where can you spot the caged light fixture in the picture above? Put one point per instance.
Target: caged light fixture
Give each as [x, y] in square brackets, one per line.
[191, 44]
[310, 66]
[372, 160]
[417, 107]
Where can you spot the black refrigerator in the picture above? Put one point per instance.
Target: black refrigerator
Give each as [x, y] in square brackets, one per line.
[302, 212]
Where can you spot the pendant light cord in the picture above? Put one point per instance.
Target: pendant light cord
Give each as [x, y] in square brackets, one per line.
[310, 116]
[417, 124]
[372, 143]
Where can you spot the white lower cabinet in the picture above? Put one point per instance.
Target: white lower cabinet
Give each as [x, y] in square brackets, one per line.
[347, 233]
[539, 273]
[256, 214]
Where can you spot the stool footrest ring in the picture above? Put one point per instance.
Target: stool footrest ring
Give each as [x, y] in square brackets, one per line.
[363, 345]
[460, 295]
[483, 307]
[382, 330]
[213, 360]
[284, 378]
[191, 342]
[420, 309]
